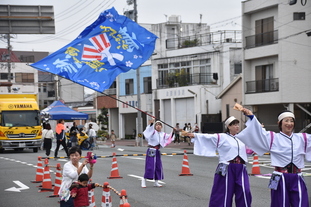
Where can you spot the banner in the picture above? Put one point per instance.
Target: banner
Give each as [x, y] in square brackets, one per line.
[113, 44]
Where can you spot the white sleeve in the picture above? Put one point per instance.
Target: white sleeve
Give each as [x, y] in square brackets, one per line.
[205, 144]
[255, 136]
[149, 131]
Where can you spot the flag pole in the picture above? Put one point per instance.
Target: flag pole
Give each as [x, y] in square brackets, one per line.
[137, 109]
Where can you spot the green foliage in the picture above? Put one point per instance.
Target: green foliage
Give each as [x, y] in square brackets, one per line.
[190, 43]
[102, 133]
[103, 119]
[178, 78]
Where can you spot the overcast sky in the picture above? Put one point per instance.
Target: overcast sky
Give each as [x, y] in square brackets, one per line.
[72, 16]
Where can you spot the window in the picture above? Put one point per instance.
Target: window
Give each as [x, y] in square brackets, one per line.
[129, 86]
[264, 75]
[202, 71]
[44, 88]
[237, 68]
[147, 85]
[264, 31]
[24, 78]
[299, 16]
[184, 73]
[5, 76]
[27, 59]
[113, 85]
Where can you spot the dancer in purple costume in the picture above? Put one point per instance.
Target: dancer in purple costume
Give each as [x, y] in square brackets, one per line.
[156, 139]
[231, 176]
[288, 151]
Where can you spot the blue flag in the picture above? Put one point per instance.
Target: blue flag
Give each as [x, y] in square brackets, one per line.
[113, 44]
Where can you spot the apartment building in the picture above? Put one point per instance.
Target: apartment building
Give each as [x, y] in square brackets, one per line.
[276, 60]
[190, 67]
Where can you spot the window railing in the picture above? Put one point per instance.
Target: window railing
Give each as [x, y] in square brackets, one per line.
[227, 36]
[259, 86]
[186, 80]
[51, 93]
[261, 39]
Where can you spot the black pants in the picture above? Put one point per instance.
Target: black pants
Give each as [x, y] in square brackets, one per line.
[47, 143]
[63, 143]
[177, 138]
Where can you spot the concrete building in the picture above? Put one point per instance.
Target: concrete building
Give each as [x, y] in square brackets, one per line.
[24, 78]
[190, 67]
[276, 60]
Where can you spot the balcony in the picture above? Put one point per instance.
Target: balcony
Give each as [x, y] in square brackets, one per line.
[51, 93]
[186, 80]
[261, 39]
[260, 86]
[204, 39]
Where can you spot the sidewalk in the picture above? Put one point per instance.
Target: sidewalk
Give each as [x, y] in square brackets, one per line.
[132, 143]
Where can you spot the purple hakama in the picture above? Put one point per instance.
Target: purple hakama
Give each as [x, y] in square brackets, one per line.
[153, 166]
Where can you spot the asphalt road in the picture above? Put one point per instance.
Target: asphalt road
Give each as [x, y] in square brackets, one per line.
[19, 168]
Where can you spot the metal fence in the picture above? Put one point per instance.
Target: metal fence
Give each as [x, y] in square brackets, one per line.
[227, 36]
[259, 86]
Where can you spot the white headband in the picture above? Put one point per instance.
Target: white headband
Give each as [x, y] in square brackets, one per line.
[158, 122]
[286, 114]
[229, 120]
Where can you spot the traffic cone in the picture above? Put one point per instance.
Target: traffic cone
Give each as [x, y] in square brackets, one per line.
[114, 174]
[47, 182]
[185, 170]
[92, 198]
[255, 168]
[58, 181]
[39, 172]
[106, 198]
[123, 199]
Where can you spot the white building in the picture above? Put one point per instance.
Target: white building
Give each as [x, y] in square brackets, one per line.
[276, 65]
[190, 67]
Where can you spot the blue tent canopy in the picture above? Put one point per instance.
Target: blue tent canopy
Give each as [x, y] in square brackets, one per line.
[58, 110]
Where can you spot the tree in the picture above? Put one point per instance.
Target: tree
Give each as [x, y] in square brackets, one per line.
[103, 121]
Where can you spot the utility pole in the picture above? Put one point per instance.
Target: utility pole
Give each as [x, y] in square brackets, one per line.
[139, 121]
[9, 61]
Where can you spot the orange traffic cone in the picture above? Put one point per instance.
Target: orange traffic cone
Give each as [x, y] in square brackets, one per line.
[106, 198]
[255, 168]
[58, 180]
[185, 170]
[114, 174]
[91, 197]
[39, 172]
[123, 199]
[47, 182]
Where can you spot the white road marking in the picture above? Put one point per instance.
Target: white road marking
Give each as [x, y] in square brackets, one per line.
[140, 178]
[21, 185]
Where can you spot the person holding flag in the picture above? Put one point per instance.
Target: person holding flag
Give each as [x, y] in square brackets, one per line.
[156, 139]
